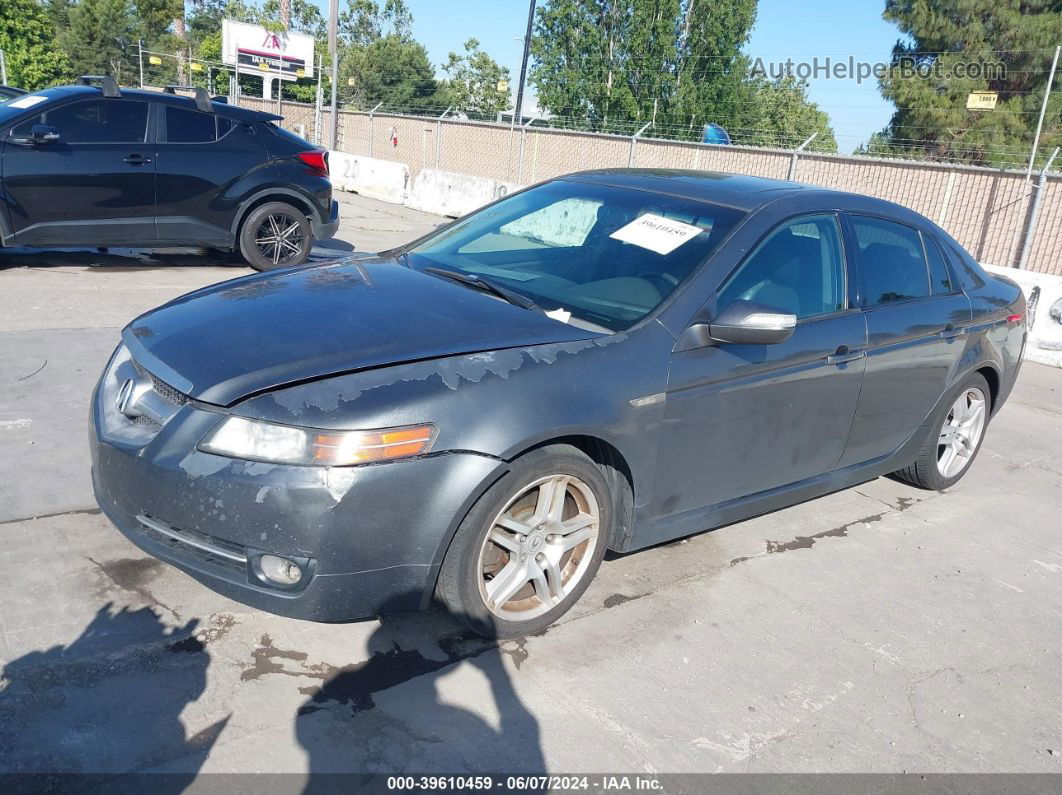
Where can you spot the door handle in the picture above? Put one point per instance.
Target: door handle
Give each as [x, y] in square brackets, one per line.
[950, 332]
[843, 356]
[137, 160]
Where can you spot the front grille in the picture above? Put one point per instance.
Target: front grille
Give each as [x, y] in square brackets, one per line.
[215, 551]
[164, 390]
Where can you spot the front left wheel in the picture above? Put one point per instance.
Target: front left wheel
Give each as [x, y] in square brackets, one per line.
[275, 235]
[528, 549]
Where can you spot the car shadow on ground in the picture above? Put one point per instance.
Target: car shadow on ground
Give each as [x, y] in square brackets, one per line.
[141, 259]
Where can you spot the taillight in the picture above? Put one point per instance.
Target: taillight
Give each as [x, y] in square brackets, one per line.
[1015, 318]
[315, 160]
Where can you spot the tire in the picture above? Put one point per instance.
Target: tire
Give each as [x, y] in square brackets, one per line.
[933, 469]
[473, 570]
[280, 221]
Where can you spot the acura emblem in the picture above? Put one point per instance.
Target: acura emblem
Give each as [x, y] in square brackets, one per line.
[129, 395]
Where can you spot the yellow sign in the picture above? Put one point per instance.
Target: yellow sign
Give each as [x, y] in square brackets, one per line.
[982, 100]
[263, 66]
[154, 60]
[503, 85]
[300, 73]
[350, 81]
[197, 67]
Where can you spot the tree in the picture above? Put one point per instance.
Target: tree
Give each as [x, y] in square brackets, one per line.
[27, 37]
[616, 64]
[782, 116]
[391, 70]
[101, 37]
[930, 93]
[364, 21]
[473, 81]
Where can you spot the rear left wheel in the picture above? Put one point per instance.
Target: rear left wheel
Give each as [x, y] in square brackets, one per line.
[530, 546]
[275, 235]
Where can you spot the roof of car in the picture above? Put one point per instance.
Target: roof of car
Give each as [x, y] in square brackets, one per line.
[734, 190]
[221, 108]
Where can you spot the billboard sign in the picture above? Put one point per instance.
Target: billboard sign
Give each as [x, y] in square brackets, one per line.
[289, 55]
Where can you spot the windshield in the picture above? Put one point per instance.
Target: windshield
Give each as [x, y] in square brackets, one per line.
[597, 255]
[13, 107]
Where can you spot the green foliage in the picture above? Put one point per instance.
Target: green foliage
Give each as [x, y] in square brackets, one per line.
[615, 64]
[392, 70]
[472, 82]
[365, 21]
[931, 117]
[101, 38]
[27, 37]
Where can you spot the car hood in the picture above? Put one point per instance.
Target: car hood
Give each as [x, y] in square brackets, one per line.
[245, 336]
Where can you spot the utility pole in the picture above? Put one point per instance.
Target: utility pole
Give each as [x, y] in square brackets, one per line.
[333, 46]
[1043, 110]
[519, 109]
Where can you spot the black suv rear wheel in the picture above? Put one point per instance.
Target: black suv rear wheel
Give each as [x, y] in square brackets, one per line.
[275, 235]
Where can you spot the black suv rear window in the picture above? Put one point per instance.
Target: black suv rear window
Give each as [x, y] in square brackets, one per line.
[193, 126]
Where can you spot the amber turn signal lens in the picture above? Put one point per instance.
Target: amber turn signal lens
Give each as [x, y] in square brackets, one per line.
[361, 447]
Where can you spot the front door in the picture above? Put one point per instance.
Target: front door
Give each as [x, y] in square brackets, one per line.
[94, 186]
[744, 419]
[916, 324]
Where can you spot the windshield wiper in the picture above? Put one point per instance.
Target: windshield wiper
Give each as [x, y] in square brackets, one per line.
[478, 282]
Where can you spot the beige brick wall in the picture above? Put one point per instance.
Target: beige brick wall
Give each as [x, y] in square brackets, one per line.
[985, 210]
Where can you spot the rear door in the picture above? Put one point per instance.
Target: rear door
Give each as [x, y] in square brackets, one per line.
[207, 164]
[94, 186]
[916, 329]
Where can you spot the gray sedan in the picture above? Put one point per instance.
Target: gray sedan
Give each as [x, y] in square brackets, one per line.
[609, 360]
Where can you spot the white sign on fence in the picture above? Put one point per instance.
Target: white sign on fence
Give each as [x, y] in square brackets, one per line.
[288, 55]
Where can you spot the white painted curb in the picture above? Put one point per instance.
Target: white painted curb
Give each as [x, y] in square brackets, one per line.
[1045, 337]
[452, 194]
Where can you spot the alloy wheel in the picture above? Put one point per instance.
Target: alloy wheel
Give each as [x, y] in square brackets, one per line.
[539, 547]
[961, 432]
[279, 238]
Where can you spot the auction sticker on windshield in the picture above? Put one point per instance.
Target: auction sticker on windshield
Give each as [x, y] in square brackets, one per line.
[656, 233]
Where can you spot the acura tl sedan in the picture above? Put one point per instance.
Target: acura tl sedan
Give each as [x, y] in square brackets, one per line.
[609, 360]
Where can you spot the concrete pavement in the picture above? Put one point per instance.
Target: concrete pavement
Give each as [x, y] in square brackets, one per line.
[880, 629]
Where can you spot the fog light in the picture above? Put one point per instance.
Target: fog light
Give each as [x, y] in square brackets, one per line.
[279, 570]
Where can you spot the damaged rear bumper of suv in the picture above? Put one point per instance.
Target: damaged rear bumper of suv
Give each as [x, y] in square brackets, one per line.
[367, 539]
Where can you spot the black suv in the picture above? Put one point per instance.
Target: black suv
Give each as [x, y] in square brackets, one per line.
[90, 165]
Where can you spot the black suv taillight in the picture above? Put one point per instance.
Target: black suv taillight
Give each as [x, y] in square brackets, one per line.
[317, 160]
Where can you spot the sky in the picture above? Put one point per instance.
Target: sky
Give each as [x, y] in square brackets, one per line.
[800, 29]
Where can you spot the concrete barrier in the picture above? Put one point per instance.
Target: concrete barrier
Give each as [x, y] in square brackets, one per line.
[1045, 334]
[451, 194]
[367, 176]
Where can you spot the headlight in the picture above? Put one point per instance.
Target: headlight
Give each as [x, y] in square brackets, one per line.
[237, 437]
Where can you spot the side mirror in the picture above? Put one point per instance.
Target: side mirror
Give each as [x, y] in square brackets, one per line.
[40, 135]
[741, 323]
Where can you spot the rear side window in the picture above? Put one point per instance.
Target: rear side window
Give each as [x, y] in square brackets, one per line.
[892, 264]
[939, 278]
[100, 121]
[193, 127]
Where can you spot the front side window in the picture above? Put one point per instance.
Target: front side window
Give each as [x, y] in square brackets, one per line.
[607, 255]
[798, 269]
[892, 264]
[109, 121]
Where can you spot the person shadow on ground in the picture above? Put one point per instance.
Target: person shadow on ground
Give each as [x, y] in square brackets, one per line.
[109, 702]
[387, 715]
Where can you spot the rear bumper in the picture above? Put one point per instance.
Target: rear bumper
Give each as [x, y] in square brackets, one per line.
[323, 230]
[370, 539]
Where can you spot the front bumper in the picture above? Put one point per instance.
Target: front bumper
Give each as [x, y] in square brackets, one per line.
[324, 230]
[372, 537]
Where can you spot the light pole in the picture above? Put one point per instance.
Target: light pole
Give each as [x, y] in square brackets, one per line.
[518, 110]
[333, 46]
